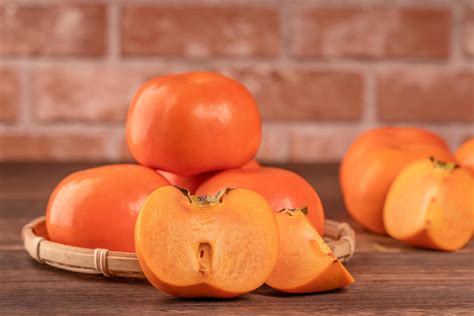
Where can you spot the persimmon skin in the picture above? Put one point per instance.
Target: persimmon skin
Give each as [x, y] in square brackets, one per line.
[238, 228]
[465, 155]
[97, 207]
[282, 189]
[373, 161]
[191, 183]
[305, 262]
[193, 123]
[431, 205]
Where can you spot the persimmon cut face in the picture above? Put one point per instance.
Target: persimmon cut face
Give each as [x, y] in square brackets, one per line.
[203, 246]
[305, 262]
[431, 205]
[98, 207]
[374, 160]
[282, 189]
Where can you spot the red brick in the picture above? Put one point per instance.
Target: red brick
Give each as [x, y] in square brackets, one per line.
[372, 32]
[468, 32]
[302, 94]
[56, 146]
[275, 143]
[84, 92]
[101, 93]
[425, 95]
[312, 143]
[52, 29]
[9, 94]
[199, 31]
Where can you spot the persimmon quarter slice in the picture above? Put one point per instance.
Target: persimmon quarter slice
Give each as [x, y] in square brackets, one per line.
[305, 262]
[431, 204]
[206, 246]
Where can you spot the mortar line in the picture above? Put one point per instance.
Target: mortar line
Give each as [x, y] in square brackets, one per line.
[456, 54]
[24, 119]
[251, 3]
[113, 32]
[286, 29]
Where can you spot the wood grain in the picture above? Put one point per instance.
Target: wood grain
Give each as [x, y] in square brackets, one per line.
[390, 277]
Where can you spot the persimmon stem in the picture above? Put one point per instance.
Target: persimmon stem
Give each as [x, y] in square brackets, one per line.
[291, 211]
[448, 166]
[206, 200]
[221, 194]
[185, 192]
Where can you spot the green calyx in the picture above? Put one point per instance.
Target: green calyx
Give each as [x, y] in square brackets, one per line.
[439, 164]
[293, 211]
[204, 200]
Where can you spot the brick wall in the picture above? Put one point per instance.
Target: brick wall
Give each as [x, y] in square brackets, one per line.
[322, 71]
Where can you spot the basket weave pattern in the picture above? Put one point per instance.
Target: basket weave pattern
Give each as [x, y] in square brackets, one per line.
[340, 238]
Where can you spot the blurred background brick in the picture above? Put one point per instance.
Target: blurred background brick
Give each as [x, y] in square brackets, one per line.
[426, 95]
[92, 93]
[56, 145]
[373, 32]
[288, 94]
[199, 31]
[321, 71]
[56, 29]
[468, 32]
[9, 94]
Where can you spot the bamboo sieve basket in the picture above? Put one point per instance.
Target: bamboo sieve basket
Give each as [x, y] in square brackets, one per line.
[339, 236]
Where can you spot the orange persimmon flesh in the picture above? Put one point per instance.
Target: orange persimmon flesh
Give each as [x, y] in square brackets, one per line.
[431, 204]
[305, 262]
[203, 246]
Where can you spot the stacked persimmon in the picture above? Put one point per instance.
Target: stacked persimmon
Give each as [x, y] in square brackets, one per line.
[247, 225]
[405, 182]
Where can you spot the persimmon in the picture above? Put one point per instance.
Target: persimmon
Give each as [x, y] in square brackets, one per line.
[282, 188]
[465, 155]
[373, 161]
[206, 246]
[431, 204]
[191, 183]
[98, 207]
[305, 262]
[193, 123]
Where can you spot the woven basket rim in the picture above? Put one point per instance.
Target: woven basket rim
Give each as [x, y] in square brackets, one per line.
[339, 236]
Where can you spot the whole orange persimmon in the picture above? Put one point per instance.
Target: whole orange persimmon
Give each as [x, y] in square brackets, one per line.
[193, 123]
[97, 207]
[191, 183]
[374, 160]
[465, 155]
[282, 188]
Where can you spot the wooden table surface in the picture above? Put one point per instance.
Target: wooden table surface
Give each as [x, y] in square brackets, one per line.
[390, 277]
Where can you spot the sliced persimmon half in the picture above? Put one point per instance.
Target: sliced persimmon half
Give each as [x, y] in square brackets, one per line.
[305, 262]
[431, 204]
[206, 246]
